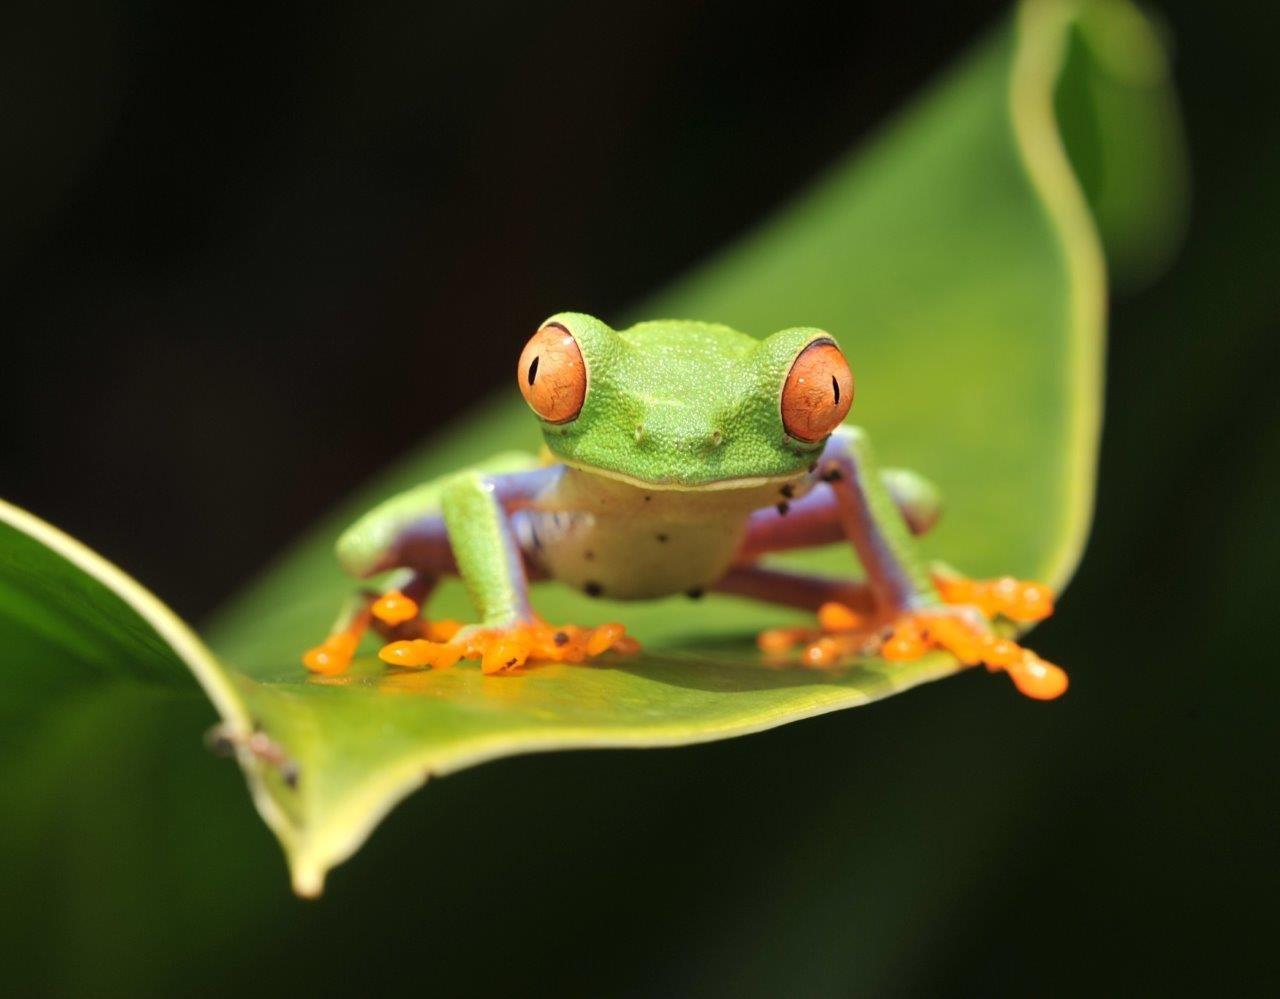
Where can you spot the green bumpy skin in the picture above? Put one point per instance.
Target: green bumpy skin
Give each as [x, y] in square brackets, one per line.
[681, 404]
[488, 561]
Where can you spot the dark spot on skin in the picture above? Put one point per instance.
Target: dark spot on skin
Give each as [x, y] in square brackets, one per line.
[695, 593]
[647, 498]
[662, 539]
[589, 555]
[561, 637]
[783, 508]
[834, 475]
[511, 662]
[813, 467]
[788, 490]
[592, 589]
[290, 774]
[533, 371]
[835, 385]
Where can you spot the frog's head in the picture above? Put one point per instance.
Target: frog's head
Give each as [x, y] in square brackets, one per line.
[683, 404]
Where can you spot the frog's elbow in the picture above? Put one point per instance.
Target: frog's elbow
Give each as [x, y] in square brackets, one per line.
[360, 550]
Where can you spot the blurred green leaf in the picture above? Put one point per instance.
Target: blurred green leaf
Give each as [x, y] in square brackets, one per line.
[955, 259]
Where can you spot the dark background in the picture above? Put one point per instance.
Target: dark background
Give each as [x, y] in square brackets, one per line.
[245, 255]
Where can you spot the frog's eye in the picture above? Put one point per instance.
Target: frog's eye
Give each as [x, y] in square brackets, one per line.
[817, 393]
[552, 375]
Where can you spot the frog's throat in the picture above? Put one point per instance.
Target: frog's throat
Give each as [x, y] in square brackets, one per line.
[683, 487]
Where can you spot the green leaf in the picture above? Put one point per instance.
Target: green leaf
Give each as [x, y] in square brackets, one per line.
[955, 258]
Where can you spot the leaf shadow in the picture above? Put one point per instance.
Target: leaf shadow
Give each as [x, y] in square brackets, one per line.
[731, 664]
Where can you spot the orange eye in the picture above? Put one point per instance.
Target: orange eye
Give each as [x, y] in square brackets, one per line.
[552, 375]
[818, 392]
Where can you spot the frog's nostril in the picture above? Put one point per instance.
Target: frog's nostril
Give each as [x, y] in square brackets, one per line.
[717, 438]
[638, 433]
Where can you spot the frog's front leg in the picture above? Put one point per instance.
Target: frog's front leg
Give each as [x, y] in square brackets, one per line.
[478, 510]
[900, 614]
[462, 526]
[410, 536]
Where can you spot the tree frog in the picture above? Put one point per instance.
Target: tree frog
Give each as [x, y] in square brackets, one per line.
[677, 454]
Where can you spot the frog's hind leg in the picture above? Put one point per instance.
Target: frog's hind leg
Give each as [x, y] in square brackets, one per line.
[815, 518]
[794, 589]
[464, 525]
[405, 534]
[911, 610]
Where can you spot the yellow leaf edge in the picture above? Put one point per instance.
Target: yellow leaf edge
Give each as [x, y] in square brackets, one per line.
[1040, 49]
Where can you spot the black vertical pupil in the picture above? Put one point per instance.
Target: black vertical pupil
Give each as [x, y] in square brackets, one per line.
[835, 386]
[533, 370]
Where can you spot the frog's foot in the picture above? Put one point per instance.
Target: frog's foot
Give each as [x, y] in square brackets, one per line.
[502, 649]
[961, 630]
[843, 633]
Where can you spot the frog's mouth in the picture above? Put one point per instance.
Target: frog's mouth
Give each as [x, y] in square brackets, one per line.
[668, 485]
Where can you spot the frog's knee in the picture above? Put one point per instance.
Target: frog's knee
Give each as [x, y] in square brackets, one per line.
[919, 499]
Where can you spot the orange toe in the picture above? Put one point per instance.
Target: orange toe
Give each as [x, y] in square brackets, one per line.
[394, 608]
[443, 630]
[1038, 679]
[837, 617]
[903, 648]
[332, 656]
[504, 653]
[418, 653]
[603, 638]
[822, 652]
[779, 640]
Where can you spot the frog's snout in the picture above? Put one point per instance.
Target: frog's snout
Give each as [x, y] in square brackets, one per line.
[683, 439]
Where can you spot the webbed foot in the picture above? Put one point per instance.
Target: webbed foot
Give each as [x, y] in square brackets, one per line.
[502, 649]
[962, 628]
[963, 631]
